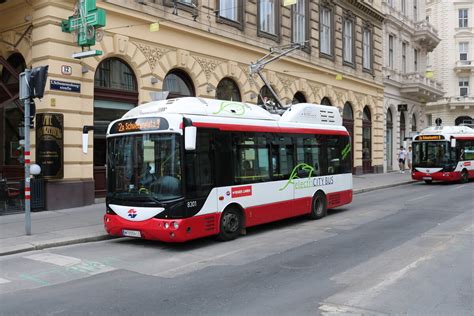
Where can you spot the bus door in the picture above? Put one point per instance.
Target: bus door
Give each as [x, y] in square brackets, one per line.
[200, 176]
[308, 166]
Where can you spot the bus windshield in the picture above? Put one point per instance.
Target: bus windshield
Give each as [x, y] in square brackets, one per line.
[431, 154]
[144, 167]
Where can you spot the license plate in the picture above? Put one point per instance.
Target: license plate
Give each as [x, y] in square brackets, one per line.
[427, 178]
[131, 233]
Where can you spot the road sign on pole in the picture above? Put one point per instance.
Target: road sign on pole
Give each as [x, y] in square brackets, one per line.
[32, 84]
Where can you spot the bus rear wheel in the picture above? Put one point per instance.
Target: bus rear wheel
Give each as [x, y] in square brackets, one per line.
[230, 224]
[318, 206]
[464, 176]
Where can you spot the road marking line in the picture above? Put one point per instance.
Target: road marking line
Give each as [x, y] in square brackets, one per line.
[420, 197]
[3, 281]
[55, 259]
[72, 264]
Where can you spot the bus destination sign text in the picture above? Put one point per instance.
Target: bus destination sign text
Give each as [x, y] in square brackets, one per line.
[140, 124]
[429, 137]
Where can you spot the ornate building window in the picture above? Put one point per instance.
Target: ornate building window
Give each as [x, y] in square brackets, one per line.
[115, 93]
[388, 139]
[179, 84]
[366, 140]
[463, 17]
[190, 6]
[390, 51]
[402, 128]
[326, 29]
[326, 101]
[348, 35]
[266, 96]
[231, 12]
[300, 22]
[298, 98]
[367, 48]
[227, 89]
[413, 123]
[269, 19]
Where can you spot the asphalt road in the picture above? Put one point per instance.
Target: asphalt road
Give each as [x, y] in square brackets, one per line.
[405, 250]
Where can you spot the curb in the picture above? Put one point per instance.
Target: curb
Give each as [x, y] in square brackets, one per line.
[383, 187]
[54, 244]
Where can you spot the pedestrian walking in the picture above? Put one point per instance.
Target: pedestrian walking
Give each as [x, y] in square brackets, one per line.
[409, 158]
[402, 155]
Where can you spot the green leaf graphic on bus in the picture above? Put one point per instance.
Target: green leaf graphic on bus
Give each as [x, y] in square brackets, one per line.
[302, 167]
[346, 151]
[231, 108]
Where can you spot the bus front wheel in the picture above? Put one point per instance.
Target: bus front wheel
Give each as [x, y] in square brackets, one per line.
[319, 206]
[230, 224]
[464, 176]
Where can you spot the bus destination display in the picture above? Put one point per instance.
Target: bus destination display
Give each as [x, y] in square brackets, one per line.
[429, 137]
[139, 124]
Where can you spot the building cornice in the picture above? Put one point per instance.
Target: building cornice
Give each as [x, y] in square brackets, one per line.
[367, 9]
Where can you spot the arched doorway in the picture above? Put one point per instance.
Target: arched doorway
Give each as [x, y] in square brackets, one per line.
[179, 84]
[348, 122]
[402, 130]
[265, 94]
[115, 93]
[464, 120]
[326, 101]
[298, 98]
[366, 141]
[413, 123]
[11, 117]
[227, 89]
[388, 140]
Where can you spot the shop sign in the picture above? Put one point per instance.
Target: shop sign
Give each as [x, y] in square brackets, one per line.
[50, 144]
[64, 86]
[403, 107]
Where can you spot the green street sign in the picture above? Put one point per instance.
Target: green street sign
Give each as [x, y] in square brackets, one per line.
[84, 22]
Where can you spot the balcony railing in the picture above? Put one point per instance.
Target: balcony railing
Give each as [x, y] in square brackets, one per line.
[426, 35]
[419, 78]
[464, 65]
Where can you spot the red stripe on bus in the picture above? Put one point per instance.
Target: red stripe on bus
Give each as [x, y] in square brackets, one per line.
[269, 129]
[464, 137]
[27, 153]
[27, 189]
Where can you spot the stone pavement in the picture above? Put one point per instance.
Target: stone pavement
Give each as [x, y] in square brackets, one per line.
[84, 224]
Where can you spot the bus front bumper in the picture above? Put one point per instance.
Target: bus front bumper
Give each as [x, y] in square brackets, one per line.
[167, 230]
[436, 176]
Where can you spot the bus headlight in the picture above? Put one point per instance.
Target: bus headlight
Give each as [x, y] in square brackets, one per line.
[175, 225]
[167, 225]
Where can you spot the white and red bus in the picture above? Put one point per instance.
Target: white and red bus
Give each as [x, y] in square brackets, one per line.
[443, 153]
[186, 168]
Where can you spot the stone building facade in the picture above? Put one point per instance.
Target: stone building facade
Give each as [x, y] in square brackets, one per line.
[407, 41]
[203, 48]
[453, 61]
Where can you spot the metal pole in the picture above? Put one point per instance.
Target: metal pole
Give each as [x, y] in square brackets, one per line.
[27, 167]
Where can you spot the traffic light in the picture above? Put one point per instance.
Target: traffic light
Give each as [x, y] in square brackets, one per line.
[32, 113]
[38, 81]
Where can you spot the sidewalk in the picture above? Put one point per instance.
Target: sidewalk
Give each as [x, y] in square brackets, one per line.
[84, 224]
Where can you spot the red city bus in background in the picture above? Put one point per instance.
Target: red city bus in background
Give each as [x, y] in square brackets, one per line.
[187, 168]
[443, 153]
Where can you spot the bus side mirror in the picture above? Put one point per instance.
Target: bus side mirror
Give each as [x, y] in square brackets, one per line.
[453, 142]
[190, 137]
[85, 137]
